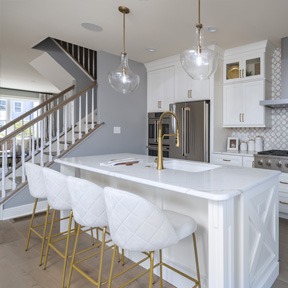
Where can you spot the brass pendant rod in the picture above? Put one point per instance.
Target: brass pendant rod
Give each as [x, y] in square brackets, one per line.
[123, 32]
[199, 26]
[199, 12]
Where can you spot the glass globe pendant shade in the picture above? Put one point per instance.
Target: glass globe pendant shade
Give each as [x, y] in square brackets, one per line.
[123, 80]
[199, 62]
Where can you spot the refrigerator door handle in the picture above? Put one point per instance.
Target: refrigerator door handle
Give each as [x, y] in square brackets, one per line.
[182, 132]
[155, 131]
[185, 131]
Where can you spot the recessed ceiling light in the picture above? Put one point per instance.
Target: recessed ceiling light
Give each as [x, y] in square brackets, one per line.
[212, 29]
[151, 49]
[91, 26]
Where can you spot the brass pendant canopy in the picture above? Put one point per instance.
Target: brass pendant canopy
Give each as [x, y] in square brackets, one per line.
[123, 80]
[199, 62]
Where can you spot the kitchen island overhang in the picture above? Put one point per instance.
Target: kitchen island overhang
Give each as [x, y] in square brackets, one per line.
[237, 208]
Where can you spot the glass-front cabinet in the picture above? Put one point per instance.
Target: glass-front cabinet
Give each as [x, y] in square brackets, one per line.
[249, 67]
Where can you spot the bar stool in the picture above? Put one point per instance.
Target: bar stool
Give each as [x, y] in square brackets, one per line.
[59, 199]
[138, 225]
[89, 210]
[37, 190]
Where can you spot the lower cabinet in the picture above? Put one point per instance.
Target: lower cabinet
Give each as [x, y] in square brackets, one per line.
[233, 160]
[283, 194]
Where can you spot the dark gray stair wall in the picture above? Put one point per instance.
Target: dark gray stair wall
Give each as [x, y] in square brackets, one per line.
[82, 80]
[117, 110]
[126, 111]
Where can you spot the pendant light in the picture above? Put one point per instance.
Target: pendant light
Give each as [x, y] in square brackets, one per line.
[199, 62]
[123, 80]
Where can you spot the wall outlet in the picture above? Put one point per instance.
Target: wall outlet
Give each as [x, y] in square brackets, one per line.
[117, 130]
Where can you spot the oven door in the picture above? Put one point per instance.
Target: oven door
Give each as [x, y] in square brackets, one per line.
[153, 150]
[153, 130]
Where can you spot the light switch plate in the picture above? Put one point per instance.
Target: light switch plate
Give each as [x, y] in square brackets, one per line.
[117, 130]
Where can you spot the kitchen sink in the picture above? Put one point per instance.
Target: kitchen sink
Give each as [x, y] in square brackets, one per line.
[187, 166]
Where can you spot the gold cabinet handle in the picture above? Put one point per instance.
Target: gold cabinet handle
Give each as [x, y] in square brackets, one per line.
[189, 93]
[283, 202]
[283, 182]
[243, 73]
[240, 117]
[226, 160]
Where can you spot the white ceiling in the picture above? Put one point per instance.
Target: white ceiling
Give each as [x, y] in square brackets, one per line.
[166, 25]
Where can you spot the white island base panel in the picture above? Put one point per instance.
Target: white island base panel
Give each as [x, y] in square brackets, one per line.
[237, 238]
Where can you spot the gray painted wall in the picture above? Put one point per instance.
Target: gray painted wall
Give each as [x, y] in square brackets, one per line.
[126, 111]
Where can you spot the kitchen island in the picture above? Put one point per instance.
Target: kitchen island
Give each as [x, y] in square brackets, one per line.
[236, 210]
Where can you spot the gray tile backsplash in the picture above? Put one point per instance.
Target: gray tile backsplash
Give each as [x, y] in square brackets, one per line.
[277, 136]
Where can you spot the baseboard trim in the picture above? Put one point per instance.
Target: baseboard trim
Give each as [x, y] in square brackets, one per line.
[23, 210]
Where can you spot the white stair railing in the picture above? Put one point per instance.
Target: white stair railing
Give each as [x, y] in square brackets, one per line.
[40, 140]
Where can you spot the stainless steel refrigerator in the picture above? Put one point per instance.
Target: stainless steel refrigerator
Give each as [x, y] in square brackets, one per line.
[194, 125]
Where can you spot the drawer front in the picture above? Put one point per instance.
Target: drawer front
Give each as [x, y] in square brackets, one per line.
[227, 160]
[248, 162]
[283, 202]
[283, 183]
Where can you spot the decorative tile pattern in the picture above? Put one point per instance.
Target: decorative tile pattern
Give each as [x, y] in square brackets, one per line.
[277, 136]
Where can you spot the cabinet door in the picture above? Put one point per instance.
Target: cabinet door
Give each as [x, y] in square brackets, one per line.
[232, 70]
[160, 89]
[187, 89]
[248, 161]
[253, 112]
[232, 105]
[253, 66]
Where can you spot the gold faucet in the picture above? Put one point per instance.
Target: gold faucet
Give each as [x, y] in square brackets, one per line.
[160, 138]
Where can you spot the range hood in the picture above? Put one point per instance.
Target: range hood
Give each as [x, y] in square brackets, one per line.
[283, 101]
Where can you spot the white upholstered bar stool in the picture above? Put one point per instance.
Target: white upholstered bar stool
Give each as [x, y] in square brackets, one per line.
[37, 190]
[138, 225]
[58, 199]
[89, 210]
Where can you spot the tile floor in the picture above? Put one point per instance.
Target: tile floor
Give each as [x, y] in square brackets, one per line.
[20, 269]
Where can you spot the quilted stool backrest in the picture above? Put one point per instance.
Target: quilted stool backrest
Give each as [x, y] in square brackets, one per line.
[57, 189]
[136, 224]
[35, 180]
[88, 203]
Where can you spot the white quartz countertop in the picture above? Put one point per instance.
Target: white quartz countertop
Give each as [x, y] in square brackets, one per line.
[219, 183]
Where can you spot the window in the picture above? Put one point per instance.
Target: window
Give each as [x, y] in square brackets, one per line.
[3, 105]
[2, 123]
[18, 106]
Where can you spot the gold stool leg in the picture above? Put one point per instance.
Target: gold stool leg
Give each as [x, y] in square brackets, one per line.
[111, 268]
[31, 224]
[44, 234]
[122, 257]
[66, 250]
[196, 260]
[101, 257]
[49, 239]
[73, 256]
[92, 237]
[151, 269]
[161, 268]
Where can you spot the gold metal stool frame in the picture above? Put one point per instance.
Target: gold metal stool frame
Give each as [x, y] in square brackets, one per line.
[67, 237]
[152, 266]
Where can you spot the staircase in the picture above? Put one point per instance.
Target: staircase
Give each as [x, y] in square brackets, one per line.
[53, 129]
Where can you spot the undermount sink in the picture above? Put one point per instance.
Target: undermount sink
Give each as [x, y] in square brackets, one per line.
[186, 166]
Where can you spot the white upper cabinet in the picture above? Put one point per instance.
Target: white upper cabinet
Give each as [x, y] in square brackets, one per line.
[247, 80]
[160, 89]
[187, 89]
[167, 83]
[249, 67]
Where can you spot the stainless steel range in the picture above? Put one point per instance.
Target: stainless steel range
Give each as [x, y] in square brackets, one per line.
[272, 159]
